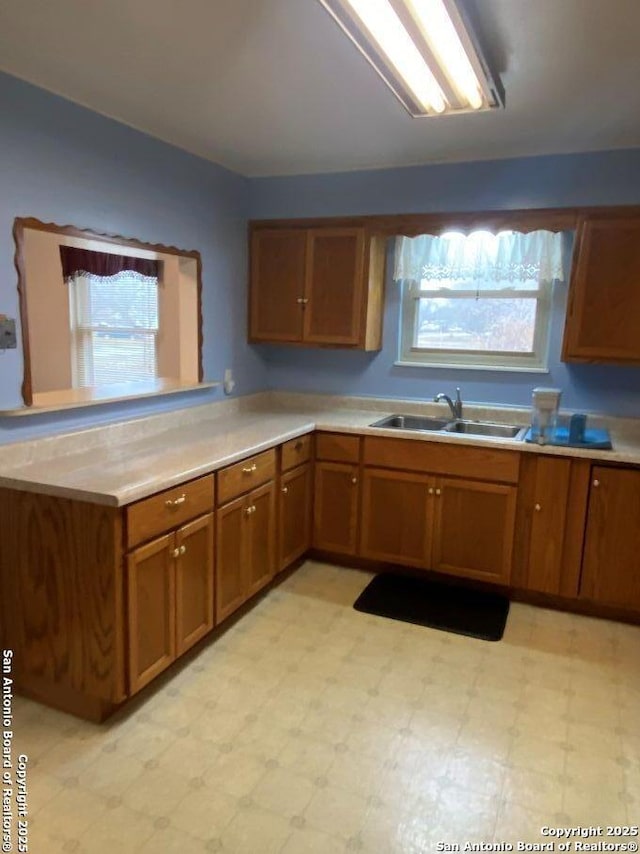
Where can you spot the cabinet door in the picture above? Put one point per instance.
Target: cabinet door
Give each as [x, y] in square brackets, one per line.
[611, 564]
[277, 284]
[603, 318]
[335, 513]
[152, 628]
[194, 582]
[232, 550]
[543, 497]
[261, 562]
[294, 528]
[397, 515]
[334, 287]
[474, 527]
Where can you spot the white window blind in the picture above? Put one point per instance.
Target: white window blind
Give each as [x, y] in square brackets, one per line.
[114, 328]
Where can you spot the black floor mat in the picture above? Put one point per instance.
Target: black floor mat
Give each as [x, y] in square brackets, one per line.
[437, 604]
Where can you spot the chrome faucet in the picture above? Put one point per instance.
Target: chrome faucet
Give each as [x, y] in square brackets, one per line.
[456, 408]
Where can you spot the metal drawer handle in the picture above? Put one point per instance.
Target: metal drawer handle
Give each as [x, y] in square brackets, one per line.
[250, 469]
[176, 502]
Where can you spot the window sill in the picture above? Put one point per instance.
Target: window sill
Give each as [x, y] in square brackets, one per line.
[57, 401]
[460, 367]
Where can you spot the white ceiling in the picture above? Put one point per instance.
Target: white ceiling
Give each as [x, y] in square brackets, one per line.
[270, 87]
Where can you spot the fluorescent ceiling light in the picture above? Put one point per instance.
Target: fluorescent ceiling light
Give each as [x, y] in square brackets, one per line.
[424, 51]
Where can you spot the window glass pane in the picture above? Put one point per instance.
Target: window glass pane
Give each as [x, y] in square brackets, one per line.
[122, 357]
[476, 324]
[433, 285]
[118, 301]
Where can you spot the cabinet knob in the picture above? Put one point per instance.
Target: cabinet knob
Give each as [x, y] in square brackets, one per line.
[175, 552]
[430, 490]
[176, 501]
[285, 489]
[302, 301]
[596, 483]
[183, 550]
[537, 508]
[251, 509]
[354, 480]
[438, 492]
[250, 469]
[298, 446]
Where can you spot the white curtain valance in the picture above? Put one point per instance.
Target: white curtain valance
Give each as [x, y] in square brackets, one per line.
[509, 256]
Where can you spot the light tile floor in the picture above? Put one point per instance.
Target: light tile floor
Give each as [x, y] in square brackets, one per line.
[309, 727]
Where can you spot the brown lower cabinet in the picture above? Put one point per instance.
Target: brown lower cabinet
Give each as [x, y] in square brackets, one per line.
[611, 562]
[335, 511]
[294, 515]
[552, 507]
[452, 525]
[170, 598]
[245, 548]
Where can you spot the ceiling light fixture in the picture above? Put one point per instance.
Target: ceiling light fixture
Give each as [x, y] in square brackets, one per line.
[425, 52]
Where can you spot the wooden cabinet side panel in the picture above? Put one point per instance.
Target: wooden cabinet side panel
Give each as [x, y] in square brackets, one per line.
[61, 577]
[194, 582]
[373, 308]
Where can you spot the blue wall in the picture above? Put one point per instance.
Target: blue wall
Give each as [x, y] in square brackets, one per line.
[62, 163]
[607, 178]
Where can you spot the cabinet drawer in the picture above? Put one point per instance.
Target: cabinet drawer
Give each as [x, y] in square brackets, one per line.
[295, 452]
[245, 475]
[169, 509]
[440, 458]
[338, 447]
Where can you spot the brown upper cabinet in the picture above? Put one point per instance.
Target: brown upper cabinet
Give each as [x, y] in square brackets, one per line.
[317, 286]
[603, 317]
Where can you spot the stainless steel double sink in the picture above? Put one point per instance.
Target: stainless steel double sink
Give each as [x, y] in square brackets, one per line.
[425, 424]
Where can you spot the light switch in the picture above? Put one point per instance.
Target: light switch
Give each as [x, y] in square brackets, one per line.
[7, 333]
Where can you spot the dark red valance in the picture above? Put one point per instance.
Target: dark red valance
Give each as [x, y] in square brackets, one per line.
[77, 261]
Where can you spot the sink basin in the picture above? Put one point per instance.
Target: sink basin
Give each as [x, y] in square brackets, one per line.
[446, 425]
[412, 422]
[485, 428]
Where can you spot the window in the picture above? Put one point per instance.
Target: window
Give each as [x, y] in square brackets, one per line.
[113, 305]
[114, 328]
[478, 301]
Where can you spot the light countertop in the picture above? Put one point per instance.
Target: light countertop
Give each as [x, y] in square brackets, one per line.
[118, 467]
